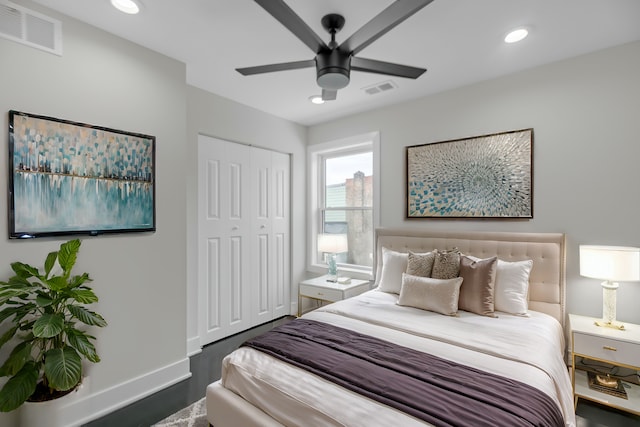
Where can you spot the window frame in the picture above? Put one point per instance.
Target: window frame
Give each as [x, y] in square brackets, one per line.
[316, 154]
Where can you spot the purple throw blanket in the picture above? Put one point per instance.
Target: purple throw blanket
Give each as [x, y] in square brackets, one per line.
[438, 391]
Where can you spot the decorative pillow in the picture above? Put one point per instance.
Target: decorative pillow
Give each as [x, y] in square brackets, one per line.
[437, 295]
[446, 264]
[476, 294]
[512, 287]
[393, 265]
[421, 264]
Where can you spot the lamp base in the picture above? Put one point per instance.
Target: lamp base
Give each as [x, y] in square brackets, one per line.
[612, 325]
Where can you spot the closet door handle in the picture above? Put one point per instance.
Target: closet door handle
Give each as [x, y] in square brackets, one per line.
[235, 227]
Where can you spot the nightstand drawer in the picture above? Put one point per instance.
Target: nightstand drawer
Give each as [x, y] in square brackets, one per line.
[603, 348]
[320, 293]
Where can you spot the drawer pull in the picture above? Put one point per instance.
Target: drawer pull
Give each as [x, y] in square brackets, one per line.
[606, 347]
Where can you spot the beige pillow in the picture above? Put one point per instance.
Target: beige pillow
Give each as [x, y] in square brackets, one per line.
[393, 265]
[446, 264]
[437, 295]
[421, 264]
[476, 293]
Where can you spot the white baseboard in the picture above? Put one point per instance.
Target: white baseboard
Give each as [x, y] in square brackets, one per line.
[193, 346]
[104, 402]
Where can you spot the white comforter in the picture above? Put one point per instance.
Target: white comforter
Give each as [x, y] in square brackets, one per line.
[528, 349]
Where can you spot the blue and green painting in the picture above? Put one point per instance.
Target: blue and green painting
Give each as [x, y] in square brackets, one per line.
[68, 177]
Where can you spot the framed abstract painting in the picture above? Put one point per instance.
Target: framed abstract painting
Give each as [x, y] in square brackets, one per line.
[488, 176]
[73, 178]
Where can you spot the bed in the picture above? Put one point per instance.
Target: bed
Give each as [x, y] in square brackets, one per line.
[471, 368]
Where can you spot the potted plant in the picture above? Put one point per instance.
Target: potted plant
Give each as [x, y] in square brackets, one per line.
[47, 318]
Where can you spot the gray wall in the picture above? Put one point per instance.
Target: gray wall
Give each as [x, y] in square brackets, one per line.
[584, 112]
[140, 278]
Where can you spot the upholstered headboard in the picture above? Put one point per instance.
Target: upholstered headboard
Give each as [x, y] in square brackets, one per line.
[547, 250]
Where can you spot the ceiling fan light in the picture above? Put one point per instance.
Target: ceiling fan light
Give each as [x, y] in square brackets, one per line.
[127, 6]
[333, 80]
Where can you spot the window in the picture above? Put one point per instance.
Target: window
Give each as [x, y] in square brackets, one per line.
[343, 189]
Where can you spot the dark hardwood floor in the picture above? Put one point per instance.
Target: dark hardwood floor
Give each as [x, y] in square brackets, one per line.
[205, 368]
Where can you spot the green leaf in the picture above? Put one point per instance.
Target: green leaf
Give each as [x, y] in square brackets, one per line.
[17, 282]
[25, 310]
[25, 270]
[7, 294]
[80, 341]
[8, 312]
[19, 388]
[49, 325]
[79, 280]
[8, 335]
[43, 300]
[86, 316]
[20, 355]
[84, 296]
[63, 368]
[50, 262]
[56, 283]
[67, 255]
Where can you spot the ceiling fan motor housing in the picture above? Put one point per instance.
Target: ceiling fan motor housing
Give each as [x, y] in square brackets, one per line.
[333, 69]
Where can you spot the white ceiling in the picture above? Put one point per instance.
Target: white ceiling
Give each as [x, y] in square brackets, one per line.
[458, 41]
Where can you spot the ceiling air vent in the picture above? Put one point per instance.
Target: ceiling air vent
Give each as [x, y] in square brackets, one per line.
[31, 28]
[380, 87]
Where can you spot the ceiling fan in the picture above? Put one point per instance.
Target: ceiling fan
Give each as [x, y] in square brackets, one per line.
[334, 62]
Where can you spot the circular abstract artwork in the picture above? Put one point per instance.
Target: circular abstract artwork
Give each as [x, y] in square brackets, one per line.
[486, 176]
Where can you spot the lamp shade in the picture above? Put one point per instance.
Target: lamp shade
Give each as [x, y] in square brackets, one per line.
[332, 243]
[613, 263]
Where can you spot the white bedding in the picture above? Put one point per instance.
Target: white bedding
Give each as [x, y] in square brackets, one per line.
[528, 349]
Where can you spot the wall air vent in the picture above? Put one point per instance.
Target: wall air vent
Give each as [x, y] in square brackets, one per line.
[380, 87]
[31, 28]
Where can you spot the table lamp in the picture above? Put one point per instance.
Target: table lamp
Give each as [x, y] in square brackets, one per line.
[611, 264]
[331, 244]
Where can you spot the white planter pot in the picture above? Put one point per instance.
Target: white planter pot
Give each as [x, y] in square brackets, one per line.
[53, 413]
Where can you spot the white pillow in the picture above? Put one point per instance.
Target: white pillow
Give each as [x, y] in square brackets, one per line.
[437, 295]
[393, 265]
[512, 287]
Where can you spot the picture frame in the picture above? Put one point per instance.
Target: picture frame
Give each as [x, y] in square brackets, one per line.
[69, 178]
[487, 176]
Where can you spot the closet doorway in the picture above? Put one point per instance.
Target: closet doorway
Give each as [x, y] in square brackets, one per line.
[244, 276]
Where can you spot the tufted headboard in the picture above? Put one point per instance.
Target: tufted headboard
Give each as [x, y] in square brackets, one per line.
[547, 250]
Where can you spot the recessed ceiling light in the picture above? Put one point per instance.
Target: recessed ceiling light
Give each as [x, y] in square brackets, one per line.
[316, 99]
[127, 6]
[516, 35]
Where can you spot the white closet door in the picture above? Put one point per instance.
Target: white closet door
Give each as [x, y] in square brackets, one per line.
[280, 226]
[270, 233]
[262, 271]
[223, 238]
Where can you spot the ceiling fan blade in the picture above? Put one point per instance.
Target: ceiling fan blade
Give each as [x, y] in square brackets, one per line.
[393, 15]
[284, 66]
[329, 95]
[287, 17]
[388, 68]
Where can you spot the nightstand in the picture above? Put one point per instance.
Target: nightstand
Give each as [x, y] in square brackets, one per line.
[319, 289]
[595, 344]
